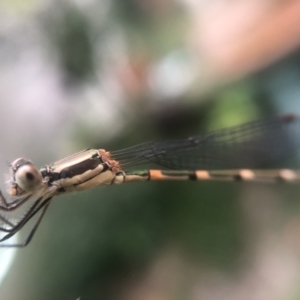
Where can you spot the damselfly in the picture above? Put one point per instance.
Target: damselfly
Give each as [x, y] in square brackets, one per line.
[242, 153]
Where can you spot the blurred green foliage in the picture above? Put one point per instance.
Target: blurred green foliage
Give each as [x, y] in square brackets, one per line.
[90, 244]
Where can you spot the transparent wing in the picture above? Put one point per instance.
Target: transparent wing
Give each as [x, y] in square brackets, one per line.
[258, 144]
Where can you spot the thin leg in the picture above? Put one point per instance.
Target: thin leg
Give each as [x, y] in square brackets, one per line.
[44, 205]
[24, 219]
[9, 206]
[4, 220]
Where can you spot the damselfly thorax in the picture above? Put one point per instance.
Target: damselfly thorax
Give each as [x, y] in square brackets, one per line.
[246, 152]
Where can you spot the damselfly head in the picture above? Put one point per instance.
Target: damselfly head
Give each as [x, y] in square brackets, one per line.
[26, 177]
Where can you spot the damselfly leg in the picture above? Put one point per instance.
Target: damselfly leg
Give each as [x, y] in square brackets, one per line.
[45, 204]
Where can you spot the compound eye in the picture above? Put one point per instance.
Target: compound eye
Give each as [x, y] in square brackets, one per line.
[28, 177]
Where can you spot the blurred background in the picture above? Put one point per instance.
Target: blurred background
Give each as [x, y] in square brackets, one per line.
[79, 74]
